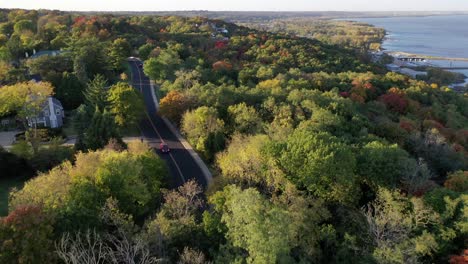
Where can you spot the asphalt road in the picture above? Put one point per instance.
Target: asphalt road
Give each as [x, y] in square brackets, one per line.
[182, 166]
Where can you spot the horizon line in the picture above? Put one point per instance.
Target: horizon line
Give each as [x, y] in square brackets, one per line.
[271, 11]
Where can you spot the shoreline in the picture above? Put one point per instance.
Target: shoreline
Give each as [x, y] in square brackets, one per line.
[428, 57]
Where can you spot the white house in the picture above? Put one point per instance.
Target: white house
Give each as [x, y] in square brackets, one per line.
[52, 114]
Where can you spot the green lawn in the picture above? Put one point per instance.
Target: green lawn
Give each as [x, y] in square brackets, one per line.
[133, 131]
[5, 186]
[68, 127]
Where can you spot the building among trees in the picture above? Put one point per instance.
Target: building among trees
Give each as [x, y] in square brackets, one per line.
[51, 115]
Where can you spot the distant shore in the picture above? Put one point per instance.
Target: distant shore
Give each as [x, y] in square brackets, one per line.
[413, 55]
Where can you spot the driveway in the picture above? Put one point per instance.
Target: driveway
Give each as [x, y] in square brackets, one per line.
[7, 138]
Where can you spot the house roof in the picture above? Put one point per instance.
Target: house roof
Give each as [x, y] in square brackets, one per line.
[57, 102]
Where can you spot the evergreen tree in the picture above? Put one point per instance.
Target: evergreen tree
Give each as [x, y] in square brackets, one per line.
[101, 129]
[70, 91]
[96, 93]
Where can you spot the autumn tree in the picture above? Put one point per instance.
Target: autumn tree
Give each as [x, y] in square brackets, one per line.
[25, 98]
[26, 236]
[174, 105]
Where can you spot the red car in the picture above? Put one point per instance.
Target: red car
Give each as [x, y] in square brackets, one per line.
[164, 148]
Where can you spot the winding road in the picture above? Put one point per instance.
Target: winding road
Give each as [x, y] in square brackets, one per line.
[181, 164]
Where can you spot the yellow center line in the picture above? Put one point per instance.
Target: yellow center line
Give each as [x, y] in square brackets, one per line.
[159, 135]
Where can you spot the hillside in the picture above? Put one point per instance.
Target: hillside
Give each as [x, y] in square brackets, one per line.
[319, 155]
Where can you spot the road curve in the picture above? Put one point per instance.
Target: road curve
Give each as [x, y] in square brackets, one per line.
[182, 167]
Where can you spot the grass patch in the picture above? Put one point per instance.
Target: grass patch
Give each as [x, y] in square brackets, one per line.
[5, 187]
[68, 127]
[132, 131]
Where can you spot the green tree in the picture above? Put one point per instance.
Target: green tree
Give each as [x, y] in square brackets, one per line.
[76, 193]
[145, 50]
[244, 119]
[198, 124]
[96, 93]
[126, 104]
[384, 165]
[119, 51]
[163, 66]
[89, 58]
[267, 231]
[101, 129]
[321, 163]
[70, 91]
[255, 225]
[395, 225]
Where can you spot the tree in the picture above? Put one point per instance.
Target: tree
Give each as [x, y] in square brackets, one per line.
[266, 231]
[322, 164]
[96, 93]
[70, 91]
[101, 129]
[246, 162]
[145, 50]
[198, 124]
[76, 193]
[26, 236]
[163, 66]
[255, 225]
[177, 219]
[384, 165]
[24, 25]
[174, 105]
[457, 181]
[119, 51]
[126, 104]
[392, 219]
[244, 119]
[26, 99]
[14, 166]
[89, 58]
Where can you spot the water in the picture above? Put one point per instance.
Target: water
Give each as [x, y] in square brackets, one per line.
[441, 36]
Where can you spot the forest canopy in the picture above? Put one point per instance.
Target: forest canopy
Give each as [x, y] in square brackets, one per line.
[319, 155]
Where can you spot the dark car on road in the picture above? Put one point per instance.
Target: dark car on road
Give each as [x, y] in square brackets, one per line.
[164, 148]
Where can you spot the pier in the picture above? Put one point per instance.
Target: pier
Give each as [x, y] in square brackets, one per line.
[412, 59]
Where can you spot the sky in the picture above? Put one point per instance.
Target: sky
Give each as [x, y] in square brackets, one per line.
[241, 5]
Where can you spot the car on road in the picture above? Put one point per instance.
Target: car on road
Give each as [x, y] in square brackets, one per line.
[164, 148]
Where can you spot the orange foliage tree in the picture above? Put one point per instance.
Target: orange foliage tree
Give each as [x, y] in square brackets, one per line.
[174, 105]
[462, 259]
[222, 65]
